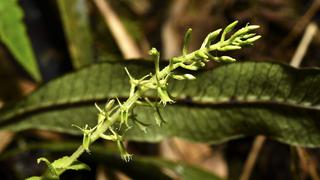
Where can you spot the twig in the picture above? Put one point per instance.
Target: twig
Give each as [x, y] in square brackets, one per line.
[304, 44]
[252, 158]
[101, 173]
[307, 164]
[296, 61]
[127, 45]
[169, 33]
[6, 136]
[302, 22]
[26, 87]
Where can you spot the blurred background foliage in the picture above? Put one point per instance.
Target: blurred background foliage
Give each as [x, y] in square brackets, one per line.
[55, 37]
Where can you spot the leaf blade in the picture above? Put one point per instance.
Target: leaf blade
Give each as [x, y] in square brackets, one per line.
[139, 168]
[257, 98]
[76, 27]
[13, 34]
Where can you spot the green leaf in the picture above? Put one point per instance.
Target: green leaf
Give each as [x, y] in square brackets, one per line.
[139, 168]
[77, 29]
[13, 34]
[35, 178]
[229, 102]
[184, 171]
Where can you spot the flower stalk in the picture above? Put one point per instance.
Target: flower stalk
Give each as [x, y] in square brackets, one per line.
[115, 115]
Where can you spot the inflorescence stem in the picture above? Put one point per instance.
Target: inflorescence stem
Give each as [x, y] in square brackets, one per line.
[158, 81]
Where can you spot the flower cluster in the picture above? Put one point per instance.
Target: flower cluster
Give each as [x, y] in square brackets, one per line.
[117, 113]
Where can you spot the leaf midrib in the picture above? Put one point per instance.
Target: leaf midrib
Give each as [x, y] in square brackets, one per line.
[179, 102]
[182, 100]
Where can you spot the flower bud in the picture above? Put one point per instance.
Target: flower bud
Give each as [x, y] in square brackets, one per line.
[202, 55]
[178, 77]
[189, 76]
[154, 52]
[247, 36]
[228, 29]
[211, 37]
[253, 39]
[229, 48]
[109, 105]
[227, 59]
[186, 41]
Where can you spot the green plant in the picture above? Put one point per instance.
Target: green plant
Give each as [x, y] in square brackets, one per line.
[13, 34]
[114, 117]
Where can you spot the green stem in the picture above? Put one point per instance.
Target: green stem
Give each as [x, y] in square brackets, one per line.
[192, 55]
[174, 63]
[130, 102]
[105, 126]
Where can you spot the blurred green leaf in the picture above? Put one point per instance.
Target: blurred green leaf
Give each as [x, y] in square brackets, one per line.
[77, 29]
[139, 168]
[34, 178]
[229, 102]
[184, 171]
[13, 34]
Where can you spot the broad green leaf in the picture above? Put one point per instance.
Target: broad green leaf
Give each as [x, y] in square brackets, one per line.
[13, 34]
[77, 29]
[231, 101]
[139, 168]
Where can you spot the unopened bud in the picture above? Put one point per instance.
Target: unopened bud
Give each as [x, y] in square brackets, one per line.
[109, 105]
[229, 48]
[189, 76]
[228, 59]
[253, 39]
[154, 52]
